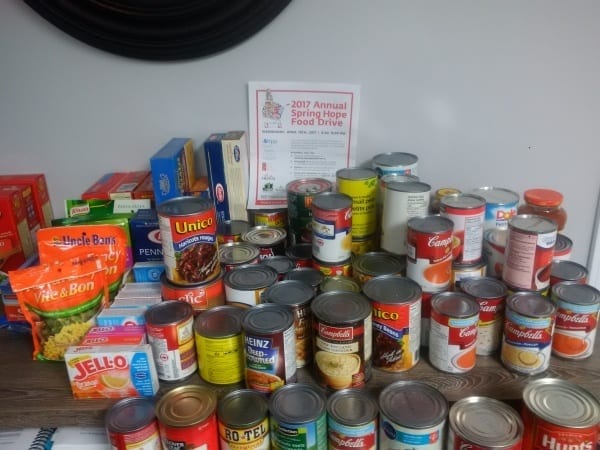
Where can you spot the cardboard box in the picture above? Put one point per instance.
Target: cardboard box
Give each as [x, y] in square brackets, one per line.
[33, 221]
[128, 184]
[15, 239]
[173, 169]
[41, 196]
[103, 186]
[144, 190]
[145, 236]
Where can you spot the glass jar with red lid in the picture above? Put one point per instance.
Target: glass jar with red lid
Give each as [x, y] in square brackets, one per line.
[546, 203]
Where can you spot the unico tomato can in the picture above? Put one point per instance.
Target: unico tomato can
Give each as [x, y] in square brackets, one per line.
[467, 212]
[243, 421]
[352, 420]
[332, 227]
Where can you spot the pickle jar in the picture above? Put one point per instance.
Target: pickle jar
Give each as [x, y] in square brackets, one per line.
[546, 203]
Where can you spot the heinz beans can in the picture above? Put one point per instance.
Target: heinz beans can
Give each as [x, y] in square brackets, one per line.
[360, 184]
[243, 421]
[131, 424]
[467, 212]
[332, 227]
[352, 420]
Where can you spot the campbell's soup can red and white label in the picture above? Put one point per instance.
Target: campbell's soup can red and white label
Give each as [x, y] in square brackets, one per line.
[332, 227]
[349, 426]
[467, 212]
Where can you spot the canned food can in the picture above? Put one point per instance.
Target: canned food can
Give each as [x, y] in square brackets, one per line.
[563, 247]
[309, 275]
[330, 269]
[395, 163]
[201, 296]
[342, 339]
[301, 254]
[332, 227]
[462, 272]
[269, 240]
[528, 329]
[243, 421]
[236, 254]
[385, 179]
[339, 283]
[412, 414]
[245, 284]
[500, 205]
[352, 420]
[374, 264]
[576, 319]
[360, 184]
[434, 204]
[453, 332]
[300, 195]
[170, 330]
[396, 305]
[494, 246]
[426, 316]
[281, 263]
[467, 212]
[187, 418]
[231, 230]
[269, 217]
[564, 270]
[365, 244]
[188, 232]
[131, 423]
[269, 343]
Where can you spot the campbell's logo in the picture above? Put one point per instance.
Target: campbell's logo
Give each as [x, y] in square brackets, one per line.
[468, 332]
[565, 317]
[91, 366]
[154, 236]
[435, 241]
[529, 334]
[339, 442]
[334, 333]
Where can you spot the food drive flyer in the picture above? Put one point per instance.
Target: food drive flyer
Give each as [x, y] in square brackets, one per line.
[298, 130]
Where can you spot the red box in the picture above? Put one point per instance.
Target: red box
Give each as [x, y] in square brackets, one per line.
[144, 190]
[39, 189]
[128, 184]
[101, 188]
[33, 221]
[15, 240]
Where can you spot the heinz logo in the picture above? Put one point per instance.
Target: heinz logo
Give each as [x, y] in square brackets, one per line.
[88, 367]
[336, 334]
[188, 227]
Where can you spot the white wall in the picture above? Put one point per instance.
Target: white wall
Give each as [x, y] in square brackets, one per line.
[502, 93]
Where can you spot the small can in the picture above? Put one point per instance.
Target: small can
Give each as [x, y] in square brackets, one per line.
[131, 423]
[453, 332]
[563, 247]
[246, 283]
[395, 163]
[365, 244]
[352, 420]
[231, 231]
[309, 275]
[301, 254]
[360, 184]
[235, 254]
[269, 343]
[342, 339]
[187, 418]
[426, 316]
[219, 345]
[281, 263]
[396, 305]
[467, 212]
[188, 233]
[559, 414]
[461, 272]
[243, 421]
[269, 240]
[170, 330]
[500, 205]
[564, 270]
[413, 415]
[332, 227]
[300, 195]
[201, 296]
[470, 420]
[434, 204]
[528, 329]
[330, 269]
[269, 217]
[374, 264]
[298, 418]
[576, 319]
[494, 247]
[339, 283]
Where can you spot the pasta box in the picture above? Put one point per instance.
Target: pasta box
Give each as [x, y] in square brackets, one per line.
[173, 169]
[145, 236]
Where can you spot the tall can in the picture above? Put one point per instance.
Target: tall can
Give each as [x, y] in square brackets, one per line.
[300, 195]
[332, 227]
[396, 163]
[352, 420]
[467, 212]
[131, 423]
[360, 184]
[243, 418]
[500, 205]
[494, 247]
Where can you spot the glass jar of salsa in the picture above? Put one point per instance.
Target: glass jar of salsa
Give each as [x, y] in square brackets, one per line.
[546, 203]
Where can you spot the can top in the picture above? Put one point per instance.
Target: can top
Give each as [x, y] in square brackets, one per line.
[250, 277]
[220, 322]
[568, 270]
[130, 415]
[184, 206]
[332, 201]
[288, 292]
[532, 223]
[496, 236]
[242, 408]
[352, 407]
[267, 318]
[308, 186]
[232, 227]
[392, 289]
[392, 159]
[187, 405]
[413, 404]
[486, 422]
[406, 186]
[282, 264]
[563, 245]
[462, 201]
[562, 403]
[355, 173]
[497, 195]
[397, 178]
[339, 283]
[378, 263]
[168, 312]
[543, 197]
[238, 252]
[309, 275]
[431, 224]
[341, 307]
[484, 287]
[454, 304]
[264, 235]
[530, 304]
[297, 403]
[575, 293]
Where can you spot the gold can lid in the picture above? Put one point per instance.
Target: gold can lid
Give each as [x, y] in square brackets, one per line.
[186, 405]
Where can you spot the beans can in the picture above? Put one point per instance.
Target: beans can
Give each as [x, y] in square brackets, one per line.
[374, 264]
[270, 241]
[231, 230]
[301, 254]
[170, 330]
[413, 415]
[500, 205]
[559, 414]
[528, 329]
[201, 296]
[563, 247]
[396, 305]
[235, 254]
[309, 275]
[494, 247]
[270, 347]
[187, 418]
[300, 195]
[564, 270]
[339, 283]
[462, 272]
[188, 232]
[281, 263]
[332, 227]
[360, 184]
[269, 217]
[131, 423]
[246, 283]
[453, 332]
[330, 269]
[352, 420]
[467, 212]
[342, 339]
[395, 163]
[243, 421]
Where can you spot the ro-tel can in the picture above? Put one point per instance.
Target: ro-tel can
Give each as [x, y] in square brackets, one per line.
[576, 319]
[201, 296]
[559, 414]
[490, 293]
[396, 305]
[412, 415]
[188, 231]
[401, 201]
[374, 264]
[565, 270]
[529, 250]
[563, 247]
[301, 254]
[187, 418]
[269, 240]
[269, 217]
[281, 263]
[342, 339]
[528, 329]
[484, 423]
[231, 230]
[462, 272]
[219, 345]
[235, 254]
[270, 347]
[494, 247]
[360, 184]
[332, 227]
[429, 252]
[170, 330]
[243, 421]
[467, 212]
[352, 420]
[500, 205]
[300, 195]
[298, 418]
[131, 424]
[297, 295]
[339, 283]
[453, 332]
[309, 275]
[246, 283]
[330, 269]
[395, 163]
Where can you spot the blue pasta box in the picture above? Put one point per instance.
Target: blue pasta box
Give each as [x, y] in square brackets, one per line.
[173, 169]
[145, 236]
[148, 271]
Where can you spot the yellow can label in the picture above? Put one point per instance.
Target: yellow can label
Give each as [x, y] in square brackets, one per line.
[221, 360]
[252, 438]
[364, 212]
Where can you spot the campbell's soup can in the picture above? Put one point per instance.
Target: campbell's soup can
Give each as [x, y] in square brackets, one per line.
[429, 252]
[300, 195]
[374, 264]
[467, 212]
[332, 227]
[500, 205]
[201, 296]
[494, 247]
[243, 418]
[564, 270]
[131, 424]
[395, 163]
[352, 420]
[271, 241]
[558, 414]
[360, 184]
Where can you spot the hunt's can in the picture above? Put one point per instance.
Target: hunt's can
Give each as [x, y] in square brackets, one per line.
[374, 264]
[563, 247]
[352, 420]
[269, 217]
[331, 269]
[201, 296]
[269, 240]
[235, 254]
[395, 163]
[245, 284]
[500, 205]
[300, 195]
[332, 227]
[309, 275]
[131, 423]
[301, 254]
[188, 232]
[462, 272]
[564, 270]
[243, 421]
[360, 184]
[281, 263]
[231, 230]
[339, 283]
[467, 212]
[494, 247]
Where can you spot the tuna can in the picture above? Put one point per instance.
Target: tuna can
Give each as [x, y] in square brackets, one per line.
[529, 251]
[269, 217]
[300, 195]
[332, 227]
[360, 184]
[484, 423]
[269, 342]
[301, 254]
[243, 421]
[246, 283]
[395, 163]
[330, 269]
[494, 246]
[352, 420]
[500, 205]
[281, 263]
[396, 305]
[559, 414]
[412, 415]
[298, 418]
[576, 319]
[563, 247]
[201, 296]
[187, 418]
[365, 244]
[219, 345]
[297, 295]
[269, 240]
[170, 330]
[563, 270]
[462, 272]
[131, 424]
[231, 230]
[309, 275]
[528, 329]
[374, 264]
[467, 212]
[339, 283]
[453, 332]
[188, 233]
[429, 252]
[235, 254]
[342, 339]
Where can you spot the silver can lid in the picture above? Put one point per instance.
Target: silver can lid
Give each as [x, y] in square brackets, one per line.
[431, 224]
[397, 178]
[394, 159]
[242, 408]
[130, 414]
[341, 307]
[356, 173]
[454, 304]
[267, 318]
[282, 264]
[568, 270]
[484, 287]
[297, 403]
[530, 304]
[339, 283]
[532, 223]
[575, 293]
[352, 407]
[168, 312]
[392, 289]
[332, 201]
[413, 404]
[264, 235]
[309, 275]
[307, 186]
[462, 201]
[496, 195]
[289, 292]
[406, 186]
[250, 277]
[219, 322]
[238, 252]
[184, 206]
[378, 263]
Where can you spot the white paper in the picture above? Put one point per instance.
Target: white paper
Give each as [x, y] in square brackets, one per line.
[298, 130]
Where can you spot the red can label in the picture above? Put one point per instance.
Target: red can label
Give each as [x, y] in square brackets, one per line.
[335, 269]
[173, 349]
[429, 259]
[456, 442]
[145, 438]
[204, 435]
[452, 342]
[575, 330]
[468, 233]
[200, 297]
